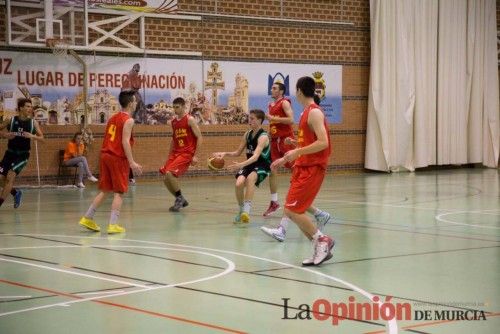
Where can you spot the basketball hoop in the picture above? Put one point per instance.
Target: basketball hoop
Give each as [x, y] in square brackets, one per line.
[59, 46]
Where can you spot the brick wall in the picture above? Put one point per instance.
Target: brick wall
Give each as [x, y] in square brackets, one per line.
[230, 38]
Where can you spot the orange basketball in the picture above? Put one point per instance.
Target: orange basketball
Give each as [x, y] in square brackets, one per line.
[215, 163]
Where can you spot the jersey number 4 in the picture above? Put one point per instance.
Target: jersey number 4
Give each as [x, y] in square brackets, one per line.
[112, 131]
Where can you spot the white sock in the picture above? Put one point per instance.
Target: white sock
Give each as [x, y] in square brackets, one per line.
[247, 205]
[90, 212]
[113, 219]
[284, 222]
[317, 212]
[317, 235]
[274, 197]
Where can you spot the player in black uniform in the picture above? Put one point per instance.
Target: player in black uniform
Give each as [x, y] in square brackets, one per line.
[251, 172]
[19, 130]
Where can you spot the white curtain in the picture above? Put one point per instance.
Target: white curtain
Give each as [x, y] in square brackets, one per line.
[475, 57]
[424, 127]
[433, 96]
[491, 91]
[452, 111]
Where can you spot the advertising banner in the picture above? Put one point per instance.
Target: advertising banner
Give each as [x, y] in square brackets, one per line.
[217, 92]
[147, 6]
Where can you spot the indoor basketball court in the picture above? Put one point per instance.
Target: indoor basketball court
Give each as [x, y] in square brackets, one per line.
[413, 197]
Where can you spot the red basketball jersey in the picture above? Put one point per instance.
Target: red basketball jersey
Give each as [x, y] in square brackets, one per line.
[113, 135]
[183, 137]
[306, 136]
[279, 129]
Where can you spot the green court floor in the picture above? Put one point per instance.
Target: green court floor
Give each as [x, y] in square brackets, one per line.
[426, 244]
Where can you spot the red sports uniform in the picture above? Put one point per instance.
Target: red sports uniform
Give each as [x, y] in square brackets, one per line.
[183, 149]
[279, 131]
[309, 169]
[114, 167]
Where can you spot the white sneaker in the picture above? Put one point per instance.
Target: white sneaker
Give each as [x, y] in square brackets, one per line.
[322, 219]
[80, 185]
[322, 251]
[310, 261]
[92, 179]
[277, 233]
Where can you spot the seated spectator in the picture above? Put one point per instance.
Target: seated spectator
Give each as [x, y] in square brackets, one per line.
[73, 156]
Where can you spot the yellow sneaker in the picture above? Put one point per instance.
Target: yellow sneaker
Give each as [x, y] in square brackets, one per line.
[245, 217]
[115, 228]
[89, 224]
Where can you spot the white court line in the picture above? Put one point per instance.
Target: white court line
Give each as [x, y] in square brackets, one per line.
[72, 272]
[392, 324]
[98, 293]
[210, 181]
[48, 202]
[403, 206]
[36, 247]
[438, 217]
[230, 267]
[381, 204]
[443, 220]
[399, 185]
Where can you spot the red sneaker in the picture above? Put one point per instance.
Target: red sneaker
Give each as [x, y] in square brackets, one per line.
[273, 207]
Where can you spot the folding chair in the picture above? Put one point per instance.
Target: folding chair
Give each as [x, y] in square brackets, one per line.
[63, 167]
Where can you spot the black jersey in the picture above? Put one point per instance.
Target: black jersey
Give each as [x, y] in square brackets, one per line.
[20, 144]
[252, 142]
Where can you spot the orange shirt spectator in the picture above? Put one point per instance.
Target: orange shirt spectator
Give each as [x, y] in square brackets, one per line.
[73, 150]
[73, 156]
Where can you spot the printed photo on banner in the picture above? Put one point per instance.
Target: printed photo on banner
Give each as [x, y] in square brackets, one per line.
[217, 92]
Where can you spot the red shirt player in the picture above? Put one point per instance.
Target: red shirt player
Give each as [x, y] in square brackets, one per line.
[311, 158]
[186, 139]
[282, 140]
[280, 119]
[116, 160]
